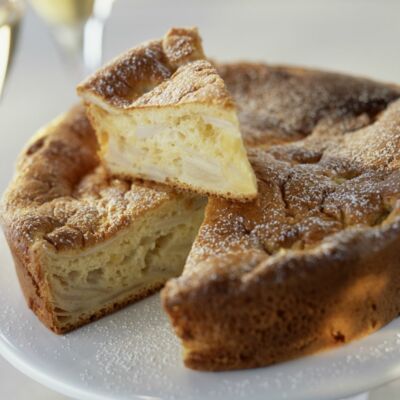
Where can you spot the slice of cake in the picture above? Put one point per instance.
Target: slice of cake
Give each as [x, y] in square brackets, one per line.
[85, 245]
[177, 125]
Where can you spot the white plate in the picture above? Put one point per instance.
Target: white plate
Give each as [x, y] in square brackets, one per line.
[133, 354]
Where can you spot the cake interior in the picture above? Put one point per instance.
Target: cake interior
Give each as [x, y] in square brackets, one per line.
[134, 263]
[192, 145]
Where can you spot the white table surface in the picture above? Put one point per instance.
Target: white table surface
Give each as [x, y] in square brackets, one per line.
[356, 36]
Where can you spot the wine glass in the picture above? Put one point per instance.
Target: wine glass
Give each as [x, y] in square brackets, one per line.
[77, 27]
[10, 17]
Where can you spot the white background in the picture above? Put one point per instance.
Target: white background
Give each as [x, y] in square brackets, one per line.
[354, 36]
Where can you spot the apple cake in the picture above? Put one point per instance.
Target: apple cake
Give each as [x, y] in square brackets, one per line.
[311, 263]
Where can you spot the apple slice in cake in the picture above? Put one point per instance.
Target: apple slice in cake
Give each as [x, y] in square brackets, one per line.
[177, 123]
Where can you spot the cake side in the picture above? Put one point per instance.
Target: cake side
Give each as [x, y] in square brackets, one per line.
[287, 306]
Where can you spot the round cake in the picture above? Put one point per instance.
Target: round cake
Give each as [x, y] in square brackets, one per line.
[311, 263]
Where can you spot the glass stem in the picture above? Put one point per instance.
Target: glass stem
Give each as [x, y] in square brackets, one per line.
[82, 43]
[93, 35]
[70, 40]
[93, 44]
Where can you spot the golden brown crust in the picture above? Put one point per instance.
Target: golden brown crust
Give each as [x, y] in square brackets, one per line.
[312, 262]
[278, 104]
[195, 82]
[139, 70]
[182, 45]
[290, 306]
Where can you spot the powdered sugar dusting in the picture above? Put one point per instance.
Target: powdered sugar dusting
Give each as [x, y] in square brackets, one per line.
[343, 174]
[143, 68]
[286, 104]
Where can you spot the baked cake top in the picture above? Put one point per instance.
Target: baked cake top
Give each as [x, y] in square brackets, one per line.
[280, 104]
[139, 70]
[194, 82]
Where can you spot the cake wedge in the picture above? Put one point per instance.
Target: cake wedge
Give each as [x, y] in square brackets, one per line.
[182, 130]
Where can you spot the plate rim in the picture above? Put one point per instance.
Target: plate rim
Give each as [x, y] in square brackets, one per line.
[76, 392]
